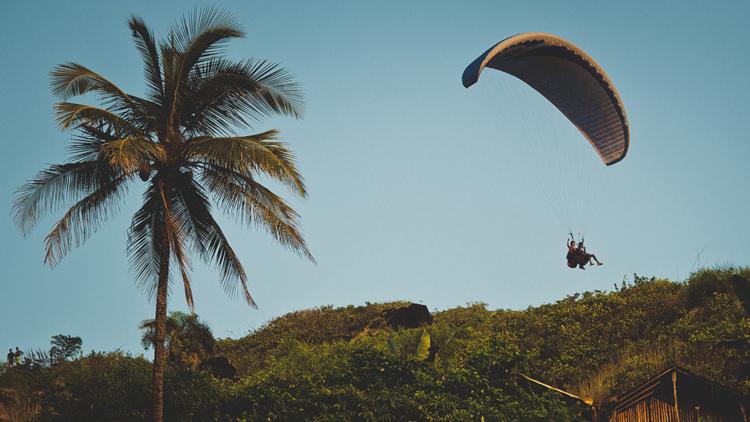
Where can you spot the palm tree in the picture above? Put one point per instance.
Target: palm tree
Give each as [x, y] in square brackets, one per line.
[64, 347]
[188, 340]
[180, 140]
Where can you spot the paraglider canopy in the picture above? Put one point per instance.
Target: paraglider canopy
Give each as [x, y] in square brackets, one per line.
[570, 79]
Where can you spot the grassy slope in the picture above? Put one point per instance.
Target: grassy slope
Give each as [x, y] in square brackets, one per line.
[595, 344]
[311, 326]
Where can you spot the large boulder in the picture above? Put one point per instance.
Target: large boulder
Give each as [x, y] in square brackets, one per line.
[412, 316]
[220, 367]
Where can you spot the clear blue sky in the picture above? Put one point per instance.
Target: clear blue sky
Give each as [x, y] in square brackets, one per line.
[420, 189]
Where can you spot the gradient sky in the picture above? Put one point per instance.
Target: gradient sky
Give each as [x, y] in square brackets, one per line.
[420, 189]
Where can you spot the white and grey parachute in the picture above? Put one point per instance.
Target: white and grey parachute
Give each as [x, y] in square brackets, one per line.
[569, 79]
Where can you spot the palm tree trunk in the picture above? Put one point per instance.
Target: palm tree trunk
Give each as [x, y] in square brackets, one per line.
[161, 328]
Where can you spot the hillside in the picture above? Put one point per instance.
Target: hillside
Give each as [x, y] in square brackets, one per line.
[348, 364]
[594, 344]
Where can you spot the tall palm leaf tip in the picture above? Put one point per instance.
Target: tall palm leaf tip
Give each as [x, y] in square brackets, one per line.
[181, 63]
[146, 45]
[202, 20]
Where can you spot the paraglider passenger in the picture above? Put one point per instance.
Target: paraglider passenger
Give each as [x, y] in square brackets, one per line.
[577, 255]
[588, 256]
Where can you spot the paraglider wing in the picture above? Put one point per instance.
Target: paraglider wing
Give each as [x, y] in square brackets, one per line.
[569, 79]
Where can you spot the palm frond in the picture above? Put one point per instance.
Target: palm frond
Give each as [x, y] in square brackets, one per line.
[163, 210]
[250, 154]
[176, 235]
[206, 46]
[144, 41]
[170, 58]
[190, 205]
[87, 141]
[132, 153]
[199, 37]
[83, 219]
[229, 263]
[243, 197]
[199, 21]
[70, 114]
[143, 242]
[193, 211]
[183, 263]
[276, 90]
[71, 79]
[54, 187]
[224, 93]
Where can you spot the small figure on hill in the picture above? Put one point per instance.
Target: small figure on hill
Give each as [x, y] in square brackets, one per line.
[578, 256]
[18, 356]
[11, 357]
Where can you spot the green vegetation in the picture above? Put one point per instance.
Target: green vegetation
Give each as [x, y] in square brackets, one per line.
[347, 364]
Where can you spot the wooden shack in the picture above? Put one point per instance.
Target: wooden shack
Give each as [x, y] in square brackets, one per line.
[676, 395]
